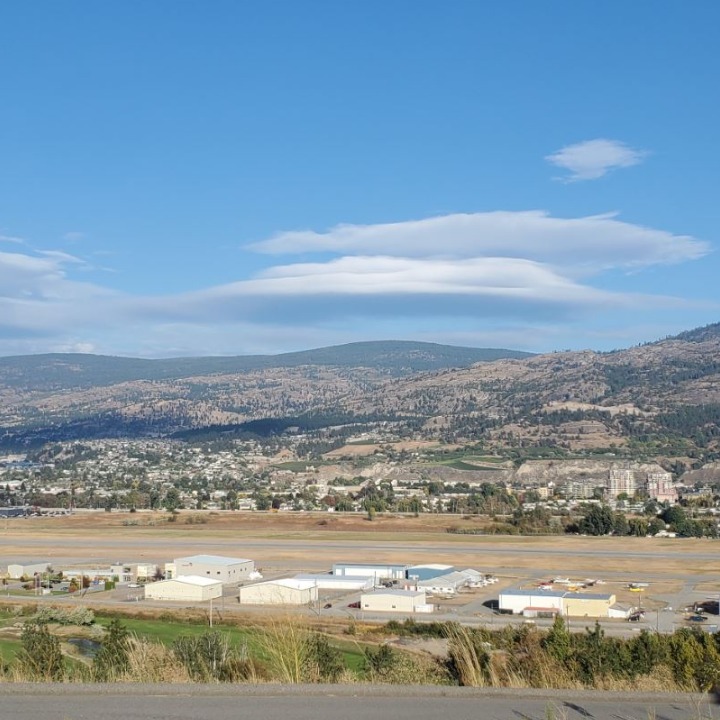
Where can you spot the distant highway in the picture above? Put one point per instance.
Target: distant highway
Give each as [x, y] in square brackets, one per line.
[334, 702]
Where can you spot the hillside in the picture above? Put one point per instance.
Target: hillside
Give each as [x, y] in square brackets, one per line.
[72, 371]
[663, 397]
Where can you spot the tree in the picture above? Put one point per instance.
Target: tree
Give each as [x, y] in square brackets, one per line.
[262, 501]
[598, 520]
[558, 641]
[620, 524]
[637, 527]
[172, 501]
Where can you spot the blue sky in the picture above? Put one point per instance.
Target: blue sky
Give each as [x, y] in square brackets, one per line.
[183, 178]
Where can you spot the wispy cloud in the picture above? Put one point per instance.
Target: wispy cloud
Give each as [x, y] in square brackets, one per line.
[450, 274]
[11, 239]
[591, 159]
[598, 241]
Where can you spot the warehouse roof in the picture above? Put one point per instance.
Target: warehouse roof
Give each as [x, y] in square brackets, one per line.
[296, 584]
[211, 560]
[536, 593]
[196, 580]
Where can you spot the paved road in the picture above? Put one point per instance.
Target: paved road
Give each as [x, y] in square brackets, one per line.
[354, 702]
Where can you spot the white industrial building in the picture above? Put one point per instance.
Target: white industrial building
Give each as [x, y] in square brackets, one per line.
[338, 582]
[286, 591]
[517, 601]
[399, 601]
[17, 571]
[428, 571]
[377, 571]
[450, 583]
[564, 602]
[188, 588]
[226, 569]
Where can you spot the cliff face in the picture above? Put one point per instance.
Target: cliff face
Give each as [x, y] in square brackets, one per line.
[707, 474]
[541, 472]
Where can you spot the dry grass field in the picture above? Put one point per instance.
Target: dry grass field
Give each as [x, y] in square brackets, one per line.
[314, 541]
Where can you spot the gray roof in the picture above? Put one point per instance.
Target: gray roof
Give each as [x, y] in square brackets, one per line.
[535, 593]
[588, 596]
[558, 594]
[211, 560]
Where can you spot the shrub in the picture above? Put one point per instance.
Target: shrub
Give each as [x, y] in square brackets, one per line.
[40, 657]
[112, 659]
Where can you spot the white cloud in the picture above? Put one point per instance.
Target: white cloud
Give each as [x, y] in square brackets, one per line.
[11, 239]
[594, 242]
[592, 159]
[452, 274]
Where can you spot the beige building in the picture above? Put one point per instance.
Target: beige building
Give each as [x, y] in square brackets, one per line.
[568, 604]
[189, 588]
[660, 487]
[621, 480]
[400, 601]
[17, 571]
[217, 567]
[287, 591]
[596, 605]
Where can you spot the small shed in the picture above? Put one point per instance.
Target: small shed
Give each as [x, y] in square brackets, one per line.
[188, 588]
[620, 611]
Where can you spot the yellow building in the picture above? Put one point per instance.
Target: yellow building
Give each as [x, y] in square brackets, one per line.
[596, 605]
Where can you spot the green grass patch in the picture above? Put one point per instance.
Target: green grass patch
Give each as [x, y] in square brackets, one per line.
[167, 631]
[461, 465]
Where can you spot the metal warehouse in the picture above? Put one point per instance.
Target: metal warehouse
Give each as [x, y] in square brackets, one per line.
[378, 571]
[335, 582]
[226, 569]
[287, 591]
[516, 601]
[426, 572]
[188, 588]
[449, 583]
[400, 601]
[571, 604]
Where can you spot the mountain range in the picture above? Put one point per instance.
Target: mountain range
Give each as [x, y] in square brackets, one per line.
[664, 394]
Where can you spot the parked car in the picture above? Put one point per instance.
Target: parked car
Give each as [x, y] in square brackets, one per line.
[697, 618]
